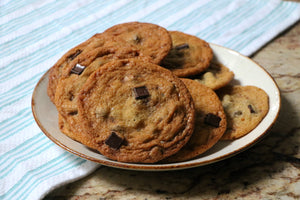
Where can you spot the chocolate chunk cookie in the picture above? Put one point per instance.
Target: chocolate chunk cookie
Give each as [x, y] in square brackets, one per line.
[215, 76]
[150, 39]
[189, 56]
[78, 71]
[245, 107]
[71, 57]
[210, 122]
[136, 111]
[75, 75]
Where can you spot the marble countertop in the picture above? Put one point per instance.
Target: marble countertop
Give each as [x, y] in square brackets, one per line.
[268, 170]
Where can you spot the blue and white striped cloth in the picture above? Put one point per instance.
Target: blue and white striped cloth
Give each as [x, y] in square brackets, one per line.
[34, 34]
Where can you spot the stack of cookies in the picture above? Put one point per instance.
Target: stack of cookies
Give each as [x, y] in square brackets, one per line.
[142, 94]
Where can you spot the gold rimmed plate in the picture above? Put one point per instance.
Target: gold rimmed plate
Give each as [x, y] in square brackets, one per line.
[246, 71]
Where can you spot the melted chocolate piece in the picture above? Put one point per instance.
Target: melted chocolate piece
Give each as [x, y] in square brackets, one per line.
[212, 120]
[114, 141]
[73, 113]
[77, 69]
[251, 109]
[238, 113]
[137, 39]
[141, 92]
[182, 46]
[74, 55]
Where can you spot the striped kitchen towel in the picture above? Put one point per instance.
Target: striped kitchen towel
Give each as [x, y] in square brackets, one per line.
[34, 34]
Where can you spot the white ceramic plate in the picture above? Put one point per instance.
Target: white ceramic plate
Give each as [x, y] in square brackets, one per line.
[246, 71]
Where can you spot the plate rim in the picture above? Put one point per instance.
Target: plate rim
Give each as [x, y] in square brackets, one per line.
[160, 166]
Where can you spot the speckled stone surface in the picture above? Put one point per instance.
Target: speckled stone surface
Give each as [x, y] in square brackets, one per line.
[268, 170]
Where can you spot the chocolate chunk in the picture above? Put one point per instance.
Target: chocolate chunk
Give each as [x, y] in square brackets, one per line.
[238, 113]
[77, 69]
[141, 92]
[137, 39]
[213, 120]
[182, 46]
[74, 55]
[251, 109]
[114, 141]
[73, 113]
